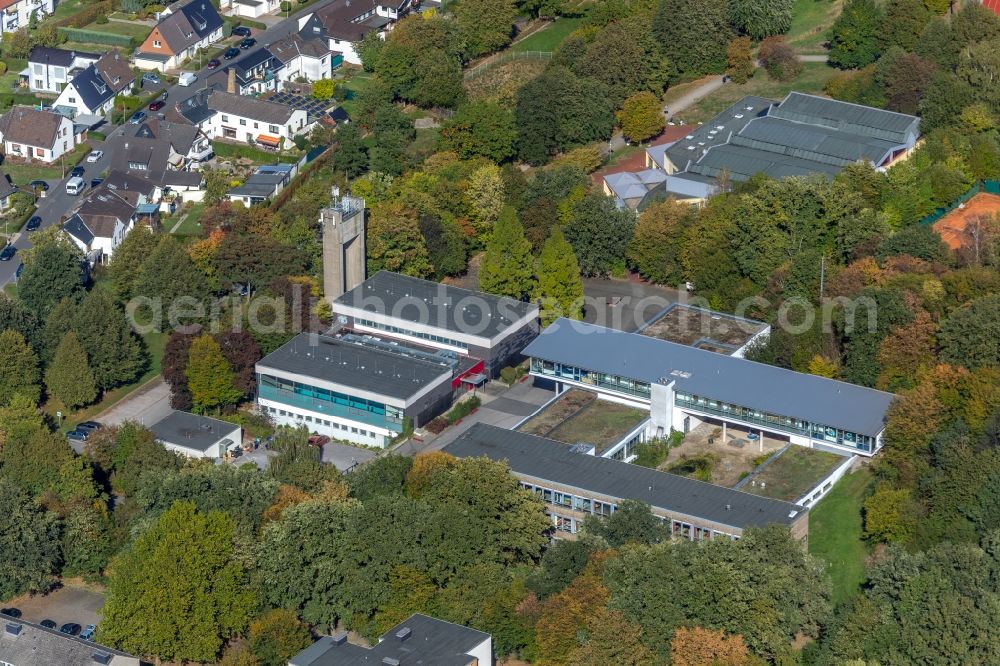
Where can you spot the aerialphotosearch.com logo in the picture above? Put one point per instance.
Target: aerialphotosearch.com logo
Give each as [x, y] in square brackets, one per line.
[485, 316]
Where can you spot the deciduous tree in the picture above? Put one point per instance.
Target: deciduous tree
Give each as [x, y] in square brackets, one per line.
[696, 646]
[394, 241]
[694, 35]
[210, 377]
[115, 353]
[350, 155]
[856, 34]
[485, 25]
[970, 336]
[30, 541]
[640, 116]
[480, 129]
[172, 286]
[740, 62]
[599, 234]
[19, 372]
[277, 636]
[761, 18]
[654, 250]
[127, 261]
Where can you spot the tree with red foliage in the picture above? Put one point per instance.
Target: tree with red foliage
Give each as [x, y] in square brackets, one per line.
[173, 366]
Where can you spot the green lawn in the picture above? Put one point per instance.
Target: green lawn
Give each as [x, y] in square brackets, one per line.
[810, 21]
[22, 174]
[357, 81]
[601, 423]
[67, 8]
[135, 30]
[191, 226]
[8, 81]
[794, 473]
[835, 533]
[548, 38]
[812, 79]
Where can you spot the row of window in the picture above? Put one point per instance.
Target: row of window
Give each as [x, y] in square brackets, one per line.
[274, 129]
[600, 379]
[413, 334]
[557, 498]
[318, 421]
[813, 430]
[325, 395]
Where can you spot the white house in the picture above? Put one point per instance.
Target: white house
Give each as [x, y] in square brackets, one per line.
[17, 13]
[37, 135]
[245, 119]
[250, 8]
[49, 69]
[100, 223]
[179, 34]
[90, 95]
[344, 23]
[195, 436]
[309, 59]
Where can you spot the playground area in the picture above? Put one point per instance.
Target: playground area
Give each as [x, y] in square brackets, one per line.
[952, 226]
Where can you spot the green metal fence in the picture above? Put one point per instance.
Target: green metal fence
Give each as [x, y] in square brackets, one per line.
[988, 186]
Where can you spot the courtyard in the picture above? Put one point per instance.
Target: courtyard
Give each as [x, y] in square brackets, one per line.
[580, 417]
[706, 455]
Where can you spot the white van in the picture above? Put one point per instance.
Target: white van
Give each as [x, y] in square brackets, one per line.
[187, 78]
[75, 185]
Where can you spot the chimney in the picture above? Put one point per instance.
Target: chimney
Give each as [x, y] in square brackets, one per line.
[231, 84]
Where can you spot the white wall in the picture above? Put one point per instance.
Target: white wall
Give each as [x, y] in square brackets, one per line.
[483, 652]
[339, 428]
[65, 141]
[22, 14]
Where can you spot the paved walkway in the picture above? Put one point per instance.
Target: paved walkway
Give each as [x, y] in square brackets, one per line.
[147, 406]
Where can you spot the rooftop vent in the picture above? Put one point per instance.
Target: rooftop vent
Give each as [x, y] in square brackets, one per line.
[12, 628]
[738, 115]
[729, 507]
[404, 633]
[389, 661]
[689, 137]
[340, 638]
[749, 108]
[102, 657]
[719, 128]
[691, 147]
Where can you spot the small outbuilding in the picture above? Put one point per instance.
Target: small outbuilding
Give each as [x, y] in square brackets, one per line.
[197, 436]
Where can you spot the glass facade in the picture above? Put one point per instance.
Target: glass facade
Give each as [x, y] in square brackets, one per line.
[413, 334]
[616, 383]
[328, 402]
[787, 424]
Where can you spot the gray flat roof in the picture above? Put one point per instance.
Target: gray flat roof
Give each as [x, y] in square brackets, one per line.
[375, 369]
[855, 118]
[430, 641]
[735, 380]
[434, 304]
[191, 431]
[548, 460]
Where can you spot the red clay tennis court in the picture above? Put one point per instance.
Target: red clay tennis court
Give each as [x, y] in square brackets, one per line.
[951, 227]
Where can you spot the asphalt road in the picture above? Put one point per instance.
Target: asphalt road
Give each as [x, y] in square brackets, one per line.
[56, 204]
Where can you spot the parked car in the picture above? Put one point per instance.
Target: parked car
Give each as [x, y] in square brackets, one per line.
[318, 440]
[149, 77]
[230, 53]
[186, 78]
[77, 172]
[248, 43]
[240, 31]
[33, 223]
[137, 117]
[17, 273]
[88, 632]
[8, 252]
[39, 185]
[10, 612]
[157, 105]
[90, 426]
[95, 155]
[75, 185]
[48, 624]
[78, 435]
[213, 63]
[94, 182]
[71, 628]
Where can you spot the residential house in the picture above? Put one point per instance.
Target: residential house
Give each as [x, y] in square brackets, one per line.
[133, 188]
[309, 59]
[36, 135]
[343, 23]
[164, 153]
[100, 224]
[250, 8]
[16, 14]
[244, 119]
[90, 95]
[179, 34]
[49, 69]
[196, 436]
[256, 72]
[263, 184]
[419, 639]
[26, 644]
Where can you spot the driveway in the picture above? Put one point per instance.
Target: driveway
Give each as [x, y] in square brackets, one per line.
[345, 457]
[71, 603]
[147, 405]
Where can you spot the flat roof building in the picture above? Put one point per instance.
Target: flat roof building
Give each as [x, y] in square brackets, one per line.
[196, 436]
[26, 644]
[357, 387]
[419, 639]
[684, 386]
[706, 329]
[574, 484]
[491, 328]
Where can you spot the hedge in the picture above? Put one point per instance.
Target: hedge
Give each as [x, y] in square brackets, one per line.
[8, 100]
[95, 37]
[223, 149]
[85, 16]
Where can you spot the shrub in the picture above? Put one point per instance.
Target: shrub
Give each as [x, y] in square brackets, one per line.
[286, 6]
[3, 67]
[95, 37]
[101, 20]
[436, 425]
[85, 16]
[652, 453]
[463, 409]
[779, 59]
[511, 374]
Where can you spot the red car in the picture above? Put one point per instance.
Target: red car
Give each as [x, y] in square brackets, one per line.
[318, 440]
[157, 105]
[213, 63]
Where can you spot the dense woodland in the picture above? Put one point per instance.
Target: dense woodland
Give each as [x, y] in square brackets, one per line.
[261, 560]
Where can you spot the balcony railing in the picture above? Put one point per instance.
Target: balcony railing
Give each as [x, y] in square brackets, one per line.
[312, 404]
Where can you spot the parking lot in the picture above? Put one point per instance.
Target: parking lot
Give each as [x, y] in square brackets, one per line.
[71, 603]
[343, 457]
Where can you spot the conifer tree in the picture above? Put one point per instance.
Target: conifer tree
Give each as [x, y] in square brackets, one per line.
[18, 368]
[560, 289]
[116, 354]
[507, 265]
[69, 377]
[210, 377]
